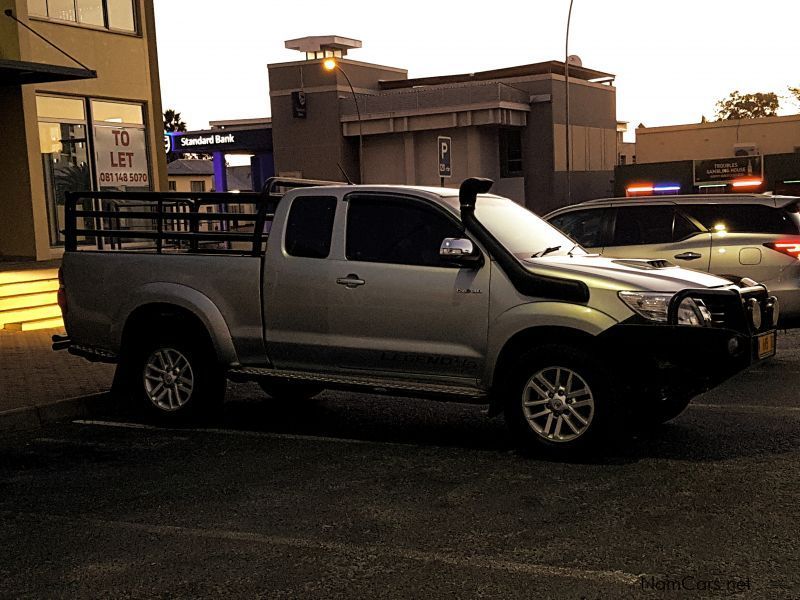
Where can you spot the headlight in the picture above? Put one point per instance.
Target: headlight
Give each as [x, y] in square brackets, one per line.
[693, 312]
[650, 305]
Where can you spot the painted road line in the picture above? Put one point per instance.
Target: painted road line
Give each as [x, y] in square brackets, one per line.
[388, 552]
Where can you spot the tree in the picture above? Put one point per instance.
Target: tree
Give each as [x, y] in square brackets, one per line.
[748, 106]
[795, 91]
[173, 123]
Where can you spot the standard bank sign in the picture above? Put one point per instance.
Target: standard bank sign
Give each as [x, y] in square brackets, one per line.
[191, 141]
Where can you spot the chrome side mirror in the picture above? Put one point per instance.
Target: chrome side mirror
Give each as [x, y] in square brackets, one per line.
[460, 251]
[455, 247]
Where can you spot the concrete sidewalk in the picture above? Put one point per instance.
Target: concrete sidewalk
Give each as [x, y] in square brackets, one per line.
[38, 384]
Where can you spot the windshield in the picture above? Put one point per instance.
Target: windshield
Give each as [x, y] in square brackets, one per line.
[521, 232]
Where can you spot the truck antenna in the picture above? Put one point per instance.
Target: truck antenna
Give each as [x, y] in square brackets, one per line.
[346, 176]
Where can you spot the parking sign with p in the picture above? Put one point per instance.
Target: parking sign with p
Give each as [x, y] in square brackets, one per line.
[445, 148]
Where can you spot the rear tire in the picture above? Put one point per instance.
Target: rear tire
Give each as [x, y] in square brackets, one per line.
[557, 400]
[174, 377]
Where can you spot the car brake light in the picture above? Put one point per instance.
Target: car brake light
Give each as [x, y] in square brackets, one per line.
[61, 295]
[788, 247]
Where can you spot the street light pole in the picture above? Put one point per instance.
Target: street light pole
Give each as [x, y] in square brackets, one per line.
[566, 103]
[330, 64]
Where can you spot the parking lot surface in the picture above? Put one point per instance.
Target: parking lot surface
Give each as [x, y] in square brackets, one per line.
[358, 496]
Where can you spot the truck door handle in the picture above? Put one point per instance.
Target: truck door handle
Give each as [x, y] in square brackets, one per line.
[351, 281]
[688, 256]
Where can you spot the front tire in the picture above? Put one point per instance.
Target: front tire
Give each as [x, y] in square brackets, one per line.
[557, 400]
[174, 377]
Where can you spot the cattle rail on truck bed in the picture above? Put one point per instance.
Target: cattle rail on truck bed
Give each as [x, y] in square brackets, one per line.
[231, 223]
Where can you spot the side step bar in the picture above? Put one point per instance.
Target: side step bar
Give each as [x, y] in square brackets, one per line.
[372, 384]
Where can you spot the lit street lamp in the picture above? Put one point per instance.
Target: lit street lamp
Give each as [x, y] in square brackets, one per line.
[330, 64]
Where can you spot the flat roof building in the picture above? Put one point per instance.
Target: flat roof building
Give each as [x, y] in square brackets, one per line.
[733, 155]
[374, 124]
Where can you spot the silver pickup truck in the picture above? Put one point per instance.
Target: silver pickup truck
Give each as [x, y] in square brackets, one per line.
[425, 292]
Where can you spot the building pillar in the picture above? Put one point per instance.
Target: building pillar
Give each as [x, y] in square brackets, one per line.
[220, 172]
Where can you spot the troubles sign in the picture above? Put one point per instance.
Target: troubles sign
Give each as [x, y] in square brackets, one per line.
[121, 157]
[727, 169]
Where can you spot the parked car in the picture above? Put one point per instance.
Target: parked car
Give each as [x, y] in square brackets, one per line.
[429, 292]
[733, 236]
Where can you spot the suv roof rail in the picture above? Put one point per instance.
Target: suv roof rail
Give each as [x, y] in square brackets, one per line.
[272, 184]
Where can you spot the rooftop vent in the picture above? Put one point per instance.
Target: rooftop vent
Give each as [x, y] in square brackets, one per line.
[323, 46]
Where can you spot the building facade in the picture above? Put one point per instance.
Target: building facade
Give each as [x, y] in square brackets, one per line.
[372, 124]
[753, 155]
[86, 117]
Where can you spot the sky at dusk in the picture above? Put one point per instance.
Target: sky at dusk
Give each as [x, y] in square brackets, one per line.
[672, 59]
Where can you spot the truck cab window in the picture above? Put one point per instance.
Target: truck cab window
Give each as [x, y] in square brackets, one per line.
[393, 230]
[310, 226]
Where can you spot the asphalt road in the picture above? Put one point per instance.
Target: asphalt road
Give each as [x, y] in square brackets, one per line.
[360, 496]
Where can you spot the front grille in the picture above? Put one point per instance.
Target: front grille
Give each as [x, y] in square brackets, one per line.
[721, 309]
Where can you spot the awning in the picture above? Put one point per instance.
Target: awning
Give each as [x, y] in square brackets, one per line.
[19, 72]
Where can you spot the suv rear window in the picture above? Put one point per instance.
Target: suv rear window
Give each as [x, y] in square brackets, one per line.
[742, 218]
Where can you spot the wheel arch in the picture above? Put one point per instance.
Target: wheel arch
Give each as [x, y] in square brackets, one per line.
[524, 340]
[177, 304]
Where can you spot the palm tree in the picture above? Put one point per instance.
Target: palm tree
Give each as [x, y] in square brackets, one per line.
[172, 123]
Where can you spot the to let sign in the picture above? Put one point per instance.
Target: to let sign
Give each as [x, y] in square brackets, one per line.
[445, 152]
[121, 157]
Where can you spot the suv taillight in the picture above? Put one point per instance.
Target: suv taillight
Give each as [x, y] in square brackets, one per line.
[62, 292]
[788, 247]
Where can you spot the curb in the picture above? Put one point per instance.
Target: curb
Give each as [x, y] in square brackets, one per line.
[34, 417]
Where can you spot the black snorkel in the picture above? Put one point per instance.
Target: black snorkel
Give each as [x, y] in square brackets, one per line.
[523, 280]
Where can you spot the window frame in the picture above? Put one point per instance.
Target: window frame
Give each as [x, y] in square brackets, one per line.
[605, 224]
[676, 213]
[505, 161]
[416, 201]
[316, 197]
[137, 27]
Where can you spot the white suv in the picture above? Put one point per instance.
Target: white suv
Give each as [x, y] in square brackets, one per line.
[735, 236]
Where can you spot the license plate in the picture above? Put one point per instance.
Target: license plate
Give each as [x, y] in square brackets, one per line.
[766, 344]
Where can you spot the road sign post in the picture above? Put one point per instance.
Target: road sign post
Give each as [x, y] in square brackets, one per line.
[444, 158]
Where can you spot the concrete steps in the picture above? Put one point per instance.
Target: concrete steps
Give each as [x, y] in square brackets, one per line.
[28, 300]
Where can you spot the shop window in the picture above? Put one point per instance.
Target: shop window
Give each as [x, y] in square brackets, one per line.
[118, 160]
[511, 153]
[120, 146]
[65, 156]
[117, 112]
[118, 15]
